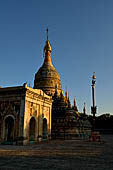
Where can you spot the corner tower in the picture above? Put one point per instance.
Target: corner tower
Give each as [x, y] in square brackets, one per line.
[47, 78]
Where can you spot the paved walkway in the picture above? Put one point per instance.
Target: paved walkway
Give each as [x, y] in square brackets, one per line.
[59, 155]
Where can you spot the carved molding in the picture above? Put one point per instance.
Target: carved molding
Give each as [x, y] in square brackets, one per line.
[8, 109]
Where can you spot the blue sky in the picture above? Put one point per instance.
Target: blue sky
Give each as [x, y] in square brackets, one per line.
[81, 36]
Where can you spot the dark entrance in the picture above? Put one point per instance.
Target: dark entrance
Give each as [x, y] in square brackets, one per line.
[9, 129]
[44, 128]
[32, 126]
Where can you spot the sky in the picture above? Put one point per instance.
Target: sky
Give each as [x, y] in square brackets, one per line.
[81, 37]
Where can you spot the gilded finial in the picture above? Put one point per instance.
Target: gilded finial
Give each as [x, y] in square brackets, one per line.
[93, 77]
[47, 45]
[69, 103]
[74, 102]
[47, 33]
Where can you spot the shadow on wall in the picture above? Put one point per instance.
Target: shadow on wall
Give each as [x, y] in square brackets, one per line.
[37, 131]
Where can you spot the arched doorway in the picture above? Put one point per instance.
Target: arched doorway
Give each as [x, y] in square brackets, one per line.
[9, 129]
[44, 128]
[32, 126]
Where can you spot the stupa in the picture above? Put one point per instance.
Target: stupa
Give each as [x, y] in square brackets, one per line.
[47, 78]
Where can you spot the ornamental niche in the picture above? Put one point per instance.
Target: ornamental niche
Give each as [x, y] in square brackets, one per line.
[7, 108]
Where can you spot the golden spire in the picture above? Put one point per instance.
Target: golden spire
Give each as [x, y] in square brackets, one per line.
[47, 51]
[69, 103]
[47, 45]
[74, 102]
[47, 33]
[61, 94]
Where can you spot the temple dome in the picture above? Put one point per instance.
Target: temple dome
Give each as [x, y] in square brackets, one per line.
[47, 78]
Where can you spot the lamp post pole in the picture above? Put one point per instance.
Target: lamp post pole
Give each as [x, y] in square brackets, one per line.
[93, 108]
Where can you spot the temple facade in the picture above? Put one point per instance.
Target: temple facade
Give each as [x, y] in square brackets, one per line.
[25, 115]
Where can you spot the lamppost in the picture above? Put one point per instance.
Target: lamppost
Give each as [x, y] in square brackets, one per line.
[93, 108]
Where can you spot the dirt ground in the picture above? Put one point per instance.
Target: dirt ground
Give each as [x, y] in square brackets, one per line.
[59, 155]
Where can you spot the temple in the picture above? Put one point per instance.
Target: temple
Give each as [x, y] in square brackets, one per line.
[40, 113]
[66, 120]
